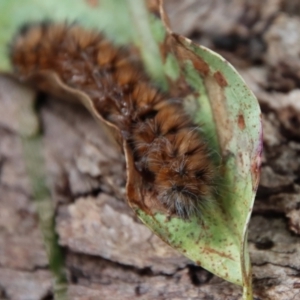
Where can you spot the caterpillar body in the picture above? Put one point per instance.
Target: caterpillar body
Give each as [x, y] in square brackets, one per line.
[169, 149]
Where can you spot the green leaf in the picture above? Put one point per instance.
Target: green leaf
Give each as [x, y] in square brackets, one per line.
[230, 117]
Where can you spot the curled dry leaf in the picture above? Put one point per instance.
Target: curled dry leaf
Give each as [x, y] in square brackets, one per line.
[219, 101]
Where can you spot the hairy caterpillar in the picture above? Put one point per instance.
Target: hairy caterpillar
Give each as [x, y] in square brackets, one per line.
[169, 150]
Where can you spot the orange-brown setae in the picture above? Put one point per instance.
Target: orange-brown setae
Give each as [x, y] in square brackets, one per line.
[165, 141]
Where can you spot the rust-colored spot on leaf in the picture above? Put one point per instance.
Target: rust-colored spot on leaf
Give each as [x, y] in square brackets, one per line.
[255, 171]
[256, 163]
[182, 53]
[220, 253]
[222, 82]
[241, 122]
[201, 66]
[92, 3]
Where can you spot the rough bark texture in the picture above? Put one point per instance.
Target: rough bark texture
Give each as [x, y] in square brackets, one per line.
[109, 253]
